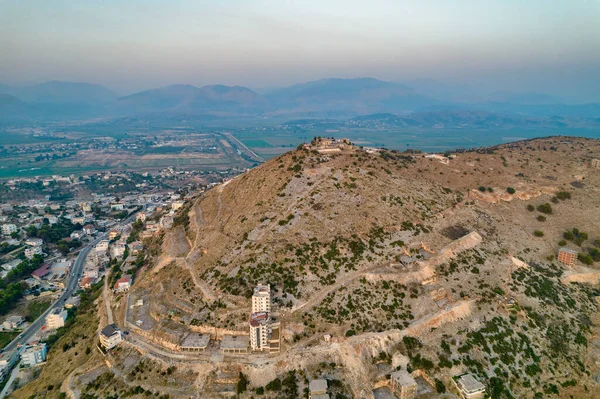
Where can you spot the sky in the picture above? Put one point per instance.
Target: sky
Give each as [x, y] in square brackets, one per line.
[550, 46]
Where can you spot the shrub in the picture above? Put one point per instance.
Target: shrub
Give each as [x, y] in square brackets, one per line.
[563, 195]
[545, 208]
[482, 189]
[491, 190]
[562, 243]
[439, 386]
[541, 218]
[538, 233]
[530, 208]
[585, 258]
[510, 190]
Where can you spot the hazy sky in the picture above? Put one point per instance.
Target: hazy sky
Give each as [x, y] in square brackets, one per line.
[541, 45]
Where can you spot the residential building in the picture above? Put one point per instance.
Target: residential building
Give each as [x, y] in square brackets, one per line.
[595, 163]
[110, 336]
[177, 205]
[13, 322]
[86, 282]
[317, 389]
[567, 256]
[113, 234]
[261, 299]
[123, 284]
[8, 266]
[7, 361]
[78, 220]
[56, 319]
[34, 242]
[77, 234]
[34, 354]
[72, 302]
[166, 222]
[260, 331]
[117, 207]
[136, 247]
[403, 385]
[117, 251]
[102, 246]
[141, 216]
[30, 252]
[469, 387]
[89, 229]
[8, 229]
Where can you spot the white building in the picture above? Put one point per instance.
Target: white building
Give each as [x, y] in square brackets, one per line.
[102, 246]
[110, 336]
[8, 229]
[7, 361]
[56, 319]
[261, 299]
[117, 251]
[469, 387]
[123, 284]
[260, 331]
[34, 242]
[34, 354]
[13, 322]
[32, 251]
[177, 205]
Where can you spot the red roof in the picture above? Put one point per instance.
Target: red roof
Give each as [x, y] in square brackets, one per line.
[125, 279]
[41, 271]
[85, 281]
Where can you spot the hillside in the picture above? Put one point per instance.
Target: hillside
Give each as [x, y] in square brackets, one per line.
[359, 243]
[404, 260]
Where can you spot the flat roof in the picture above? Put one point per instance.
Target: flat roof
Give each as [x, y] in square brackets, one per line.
[195, 340]
[318, 385]
[568, 250]
[235, 342]
[403, 378]
[470, 384]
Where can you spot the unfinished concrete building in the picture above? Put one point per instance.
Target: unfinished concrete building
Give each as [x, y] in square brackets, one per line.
[403, 385]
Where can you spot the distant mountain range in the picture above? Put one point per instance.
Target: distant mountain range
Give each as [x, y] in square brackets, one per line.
[326, 98]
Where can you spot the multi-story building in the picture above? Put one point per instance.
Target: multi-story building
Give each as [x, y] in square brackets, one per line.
[595, 163]
[261, 299]
[110, 336]
[567, 256]
[34, 354]
[469, 387]
[7, 361]
[102, 246]
[32, 251]
[8, 229]
[403, 385]
[260, 331]
[56, 319]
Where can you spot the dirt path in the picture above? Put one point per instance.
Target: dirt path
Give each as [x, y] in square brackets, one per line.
[106, 297]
